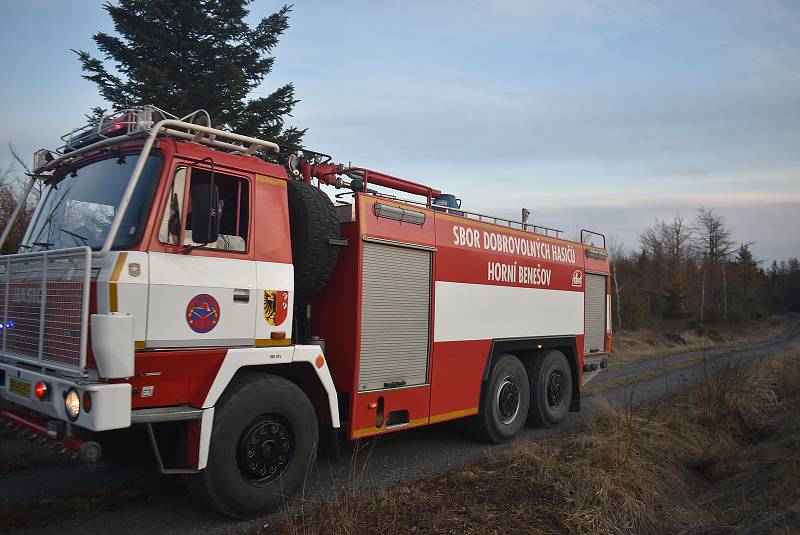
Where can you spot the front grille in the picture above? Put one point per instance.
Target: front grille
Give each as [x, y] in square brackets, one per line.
[45, 299]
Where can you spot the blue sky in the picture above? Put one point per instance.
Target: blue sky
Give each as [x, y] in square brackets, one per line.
[598, 114]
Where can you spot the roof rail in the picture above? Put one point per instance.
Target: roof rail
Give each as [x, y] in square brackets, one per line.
[585, 233]
[136, 123]
[475, 216]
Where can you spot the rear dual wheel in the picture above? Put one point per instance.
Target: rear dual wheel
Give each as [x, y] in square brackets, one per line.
[537, 393]
[263, 443]
[504, 405]
[551, 388]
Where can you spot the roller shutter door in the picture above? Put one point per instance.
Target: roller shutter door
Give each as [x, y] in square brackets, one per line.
[395, 314]
[595, 310]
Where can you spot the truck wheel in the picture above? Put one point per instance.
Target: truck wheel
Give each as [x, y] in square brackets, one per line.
[263, 443]
[313, 223]
[504, 406]
[551, 389]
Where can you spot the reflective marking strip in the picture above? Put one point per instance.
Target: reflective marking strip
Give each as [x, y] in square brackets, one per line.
[269, 180]
[374, 430]
[453, 415]
[269, 342]
[113, 302]
[516, 312]
[419, 421]
[138, 344]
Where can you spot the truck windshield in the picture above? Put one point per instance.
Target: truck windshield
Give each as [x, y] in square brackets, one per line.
[78, 208]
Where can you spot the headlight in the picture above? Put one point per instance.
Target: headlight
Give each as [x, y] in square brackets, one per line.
[72, 404]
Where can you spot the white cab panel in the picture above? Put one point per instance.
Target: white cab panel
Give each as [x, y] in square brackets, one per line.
[176, 280]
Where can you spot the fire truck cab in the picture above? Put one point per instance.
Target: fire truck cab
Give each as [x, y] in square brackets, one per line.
[200, 286]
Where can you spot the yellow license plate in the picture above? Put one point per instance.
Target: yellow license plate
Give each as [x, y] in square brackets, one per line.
[20, 388]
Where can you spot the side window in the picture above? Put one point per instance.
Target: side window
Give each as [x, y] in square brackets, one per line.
[233, 210]
[170, 229]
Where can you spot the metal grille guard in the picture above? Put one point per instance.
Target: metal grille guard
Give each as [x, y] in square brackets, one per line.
[45, 308]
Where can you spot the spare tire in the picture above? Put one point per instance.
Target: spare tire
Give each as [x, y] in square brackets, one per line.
[314, 224]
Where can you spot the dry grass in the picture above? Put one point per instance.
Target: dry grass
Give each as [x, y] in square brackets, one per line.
[720, 458]
[632, 347]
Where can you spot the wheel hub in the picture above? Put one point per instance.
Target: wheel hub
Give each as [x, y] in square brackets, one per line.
[507, 400]
[555, 389]
[265, 449]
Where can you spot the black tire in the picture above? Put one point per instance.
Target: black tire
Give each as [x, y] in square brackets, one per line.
[551, 389]
[256, 418]
[313, 223]
[504, 404]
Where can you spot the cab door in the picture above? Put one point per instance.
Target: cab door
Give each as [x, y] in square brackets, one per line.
[203, 295]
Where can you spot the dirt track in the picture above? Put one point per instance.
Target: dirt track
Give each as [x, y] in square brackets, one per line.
[160, 503]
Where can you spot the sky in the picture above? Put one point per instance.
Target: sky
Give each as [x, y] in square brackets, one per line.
[594, 114]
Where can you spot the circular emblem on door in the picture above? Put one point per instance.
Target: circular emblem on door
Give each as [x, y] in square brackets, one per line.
[202, 313]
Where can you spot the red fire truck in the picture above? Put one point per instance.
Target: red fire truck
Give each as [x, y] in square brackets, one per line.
[199, 286]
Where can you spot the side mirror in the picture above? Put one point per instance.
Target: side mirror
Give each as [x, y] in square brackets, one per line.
[205, 217]
[458, 202]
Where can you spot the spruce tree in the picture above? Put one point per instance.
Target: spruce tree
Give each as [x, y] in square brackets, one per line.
[183, 55]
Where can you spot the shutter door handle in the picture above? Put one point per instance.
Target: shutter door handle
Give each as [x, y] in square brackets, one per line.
[241, 295]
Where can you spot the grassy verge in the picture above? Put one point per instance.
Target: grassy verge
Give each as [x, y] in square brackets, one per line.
[721, 457]
[632, 347]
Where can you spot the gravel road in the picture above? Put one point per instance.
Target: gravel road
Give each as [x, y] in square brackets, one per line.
[395, 457]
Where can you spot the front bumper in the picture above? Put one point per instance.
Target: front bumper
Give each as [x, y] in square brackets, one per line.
[110, 407]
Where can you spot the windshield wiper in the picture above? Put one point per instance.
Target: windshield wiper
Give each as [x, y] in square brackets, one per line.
[44, 244]
[75, 235]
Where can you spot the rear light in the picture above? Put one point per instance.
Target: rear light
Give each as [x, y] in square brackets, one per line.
[42, 391]
[87, 402]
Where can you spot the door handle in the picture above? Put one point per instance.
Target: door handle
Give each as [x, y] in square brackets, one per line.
[241, 295]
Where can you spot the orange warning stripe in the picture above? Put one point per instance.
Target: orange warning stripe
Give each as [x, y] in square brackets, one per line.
[419, 421]
[113, 298]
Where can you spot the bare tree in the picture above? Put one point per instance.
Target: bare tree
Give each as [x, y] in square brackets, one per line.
[8, 182]
[666, 243]
[13, 184]
[713, 243]
[616, 255]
